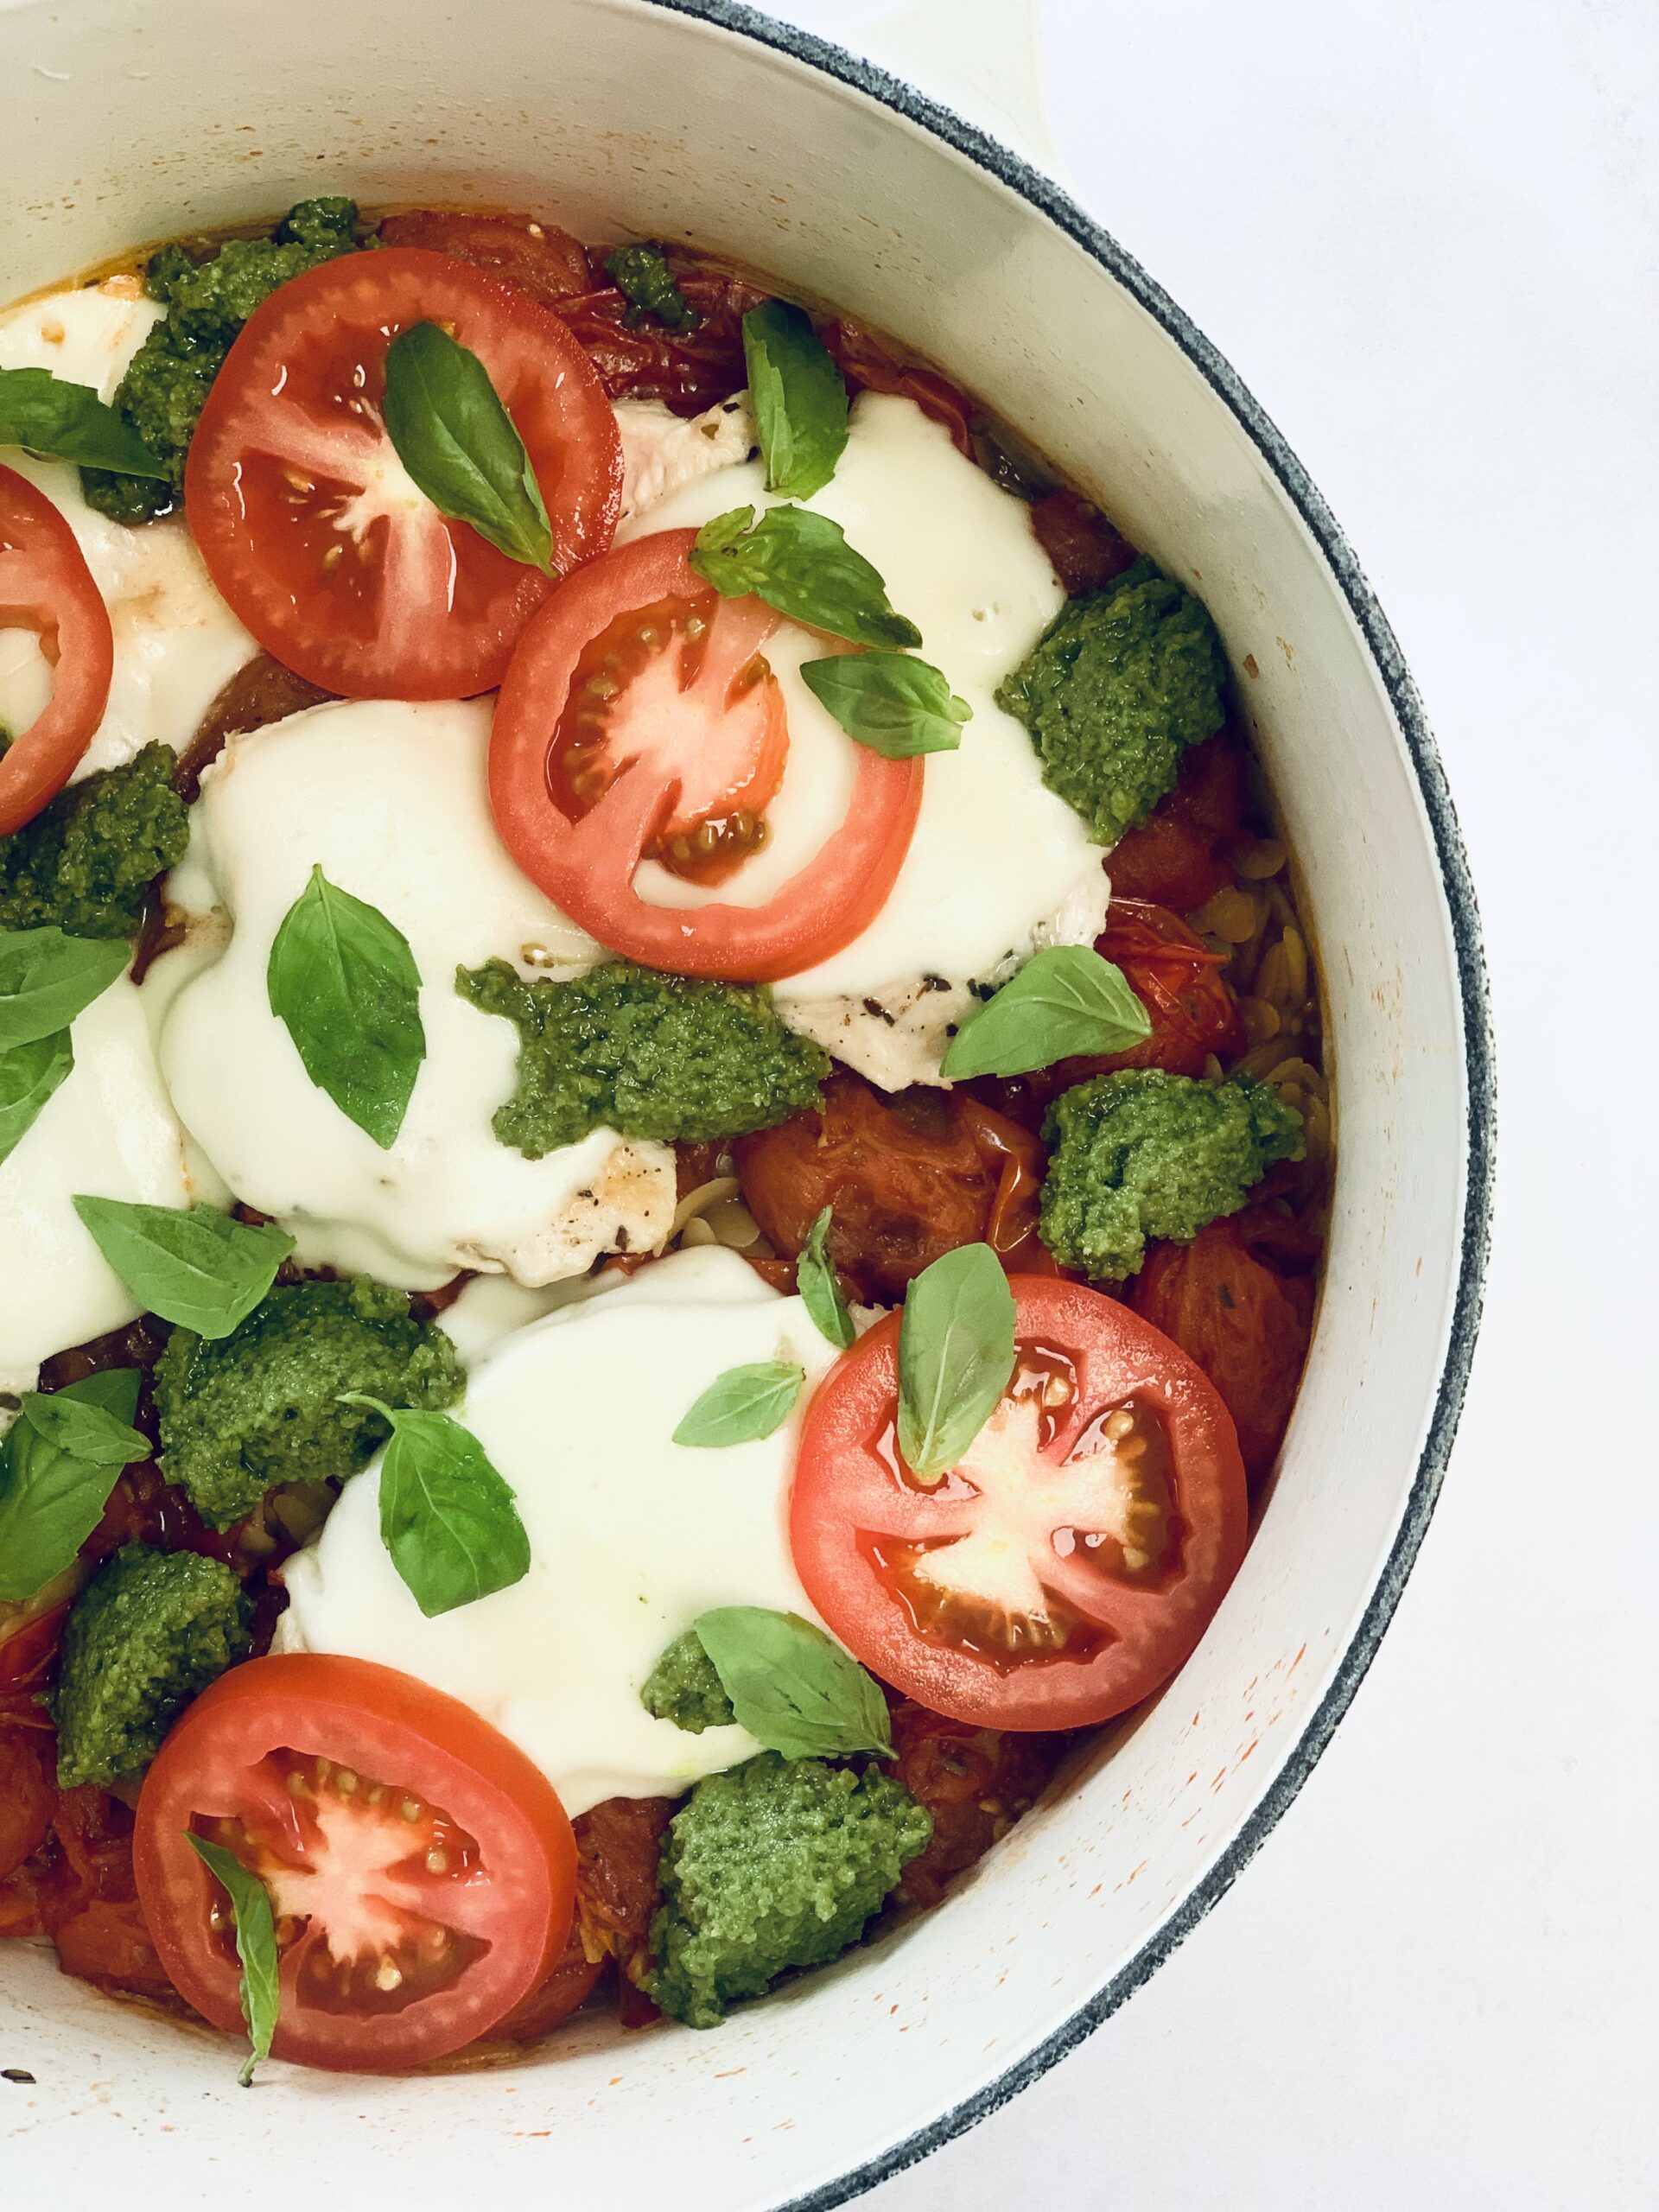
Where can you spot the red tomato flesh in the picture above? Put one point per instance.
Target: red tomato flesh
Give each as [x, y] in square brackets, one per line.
[421, 1871]
[1070, 1563]
[638, 713]
[46, 586]
[310, 526]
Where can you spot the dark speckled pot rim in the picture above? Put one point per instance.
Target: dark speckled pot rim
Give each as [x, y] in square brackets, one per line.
[1061, 210]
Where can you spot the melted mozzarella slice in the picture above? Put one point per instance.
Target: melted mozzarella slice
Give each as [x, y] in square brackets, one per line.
[632, 1535]
[107, 1132]
[176, 642]
[998, 865]
[390, 800]
[662, 452]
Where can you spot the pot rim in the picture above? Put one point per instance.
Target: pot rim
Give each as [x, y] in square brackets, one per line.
[1050, 200]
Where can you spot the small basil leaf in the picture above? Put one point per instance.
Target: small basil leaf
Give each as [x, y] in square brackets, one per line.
[460, 444]
[643, 277]
[46, 979]
[256, 1945]
[792, 1686]
[743, 1404]
[1065, 999]
[199, 1268]
[69, 422]
[801, 563]
[344, 983]
[50, 1500]
[800, 402]
[820, 1287]
[28, 1076]
[83, 1428]
[447, 1519]
[955, 1355]
[897, 705]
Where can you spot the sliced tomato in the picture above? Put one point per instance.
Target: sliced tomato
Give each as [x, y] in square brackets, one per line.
[1070, 1561]
[309, 525]
[46, 586]
[421, 1870]
[640, 719]
[539, 258]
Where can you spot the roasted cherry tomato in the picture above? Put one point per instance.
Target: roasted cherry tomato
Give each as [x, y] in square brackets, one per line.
[538, 257]
[46, 586]
[1176, 858]
[869, 366]
[1070, 1562]
[909, 1177]
[307, 520]
[1242, 1324]
[421, 1870]
[639, 719]
[28, 1794]
[975, 1782]
[639, 358]
[1086, 551]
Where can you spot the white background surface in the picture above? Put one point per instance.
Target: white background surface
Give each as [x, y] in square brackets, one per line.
[1426, 234]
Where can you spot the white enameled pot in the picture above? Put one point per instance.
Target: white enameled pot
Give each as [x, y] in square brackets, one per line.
[129, 119]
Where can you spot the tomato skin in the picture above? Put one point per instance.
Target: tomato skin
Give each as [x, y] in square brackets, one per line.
[1086, 551]
[848, 1492]
[46, 586]
[538, 257]
[519, 1900]
[975, 1782]
[868, 366]
[1175, 857]
[1236, 1317]
[28, 1794]
[422, 608]
[587, 865]
[909, 1176]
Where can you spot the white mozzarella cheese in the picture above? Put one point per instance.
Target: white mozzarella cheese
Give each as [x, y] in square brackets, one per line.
[632, 1535]
[176, 643]
[390, 800]
[107, 1132]
[999, 865]
[662, 452]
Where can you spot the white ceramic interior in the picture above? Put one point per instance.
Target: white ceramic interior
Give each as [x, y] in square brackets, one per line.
[128, 119]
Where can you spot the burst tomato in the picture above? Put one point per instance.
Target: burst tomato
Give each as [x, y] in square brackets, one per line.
[1070, 1561]
[1177, 858]
[975, 1782]
[421, 1871]
[1086, 551]
[46, 586]
[638, 357]
[869, 366]
[538, 257]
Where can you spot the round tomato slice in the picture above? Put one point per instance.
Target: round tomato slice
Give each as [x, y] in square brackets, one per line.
[310, 525]
[1070, 1561]
[640, 720]
[46, 586]
[420, 1870]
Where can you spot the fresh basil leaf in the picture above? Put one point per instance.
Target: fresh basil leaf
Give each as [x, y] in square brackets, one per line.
[199, 1269]
[460, 444]
[69, 422]
[83, 1428]
[447, 1519]
[955, 1355]
[1065, 999]
[46, 979]
[743, 1404]
[801, 563]
[897, 705]
[792, 1686]
[28, 1076]
[820, 1287]
[256, 1945]
[51, 1498]
[800, 402]
[344, 983]
[643, 277]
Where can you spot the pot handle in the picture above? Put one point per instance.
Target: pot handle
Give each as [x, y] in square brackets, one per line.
[979, 57]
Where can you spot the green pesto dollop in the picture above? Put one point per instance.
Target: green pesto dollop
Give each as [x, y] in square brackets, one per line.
[643, 277]
[777, 1864]
[1121, 682]
[683, 1687]
[207, 301]
[646, 1054]
[243, 1412]
[84, 862]
[149, 1632]
[1143, 1154]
